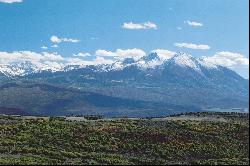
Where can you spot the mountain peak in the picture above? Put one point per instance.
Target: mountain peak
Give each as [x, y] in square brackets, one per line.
[127, 61]
[185, 60]
[182, 55]
[150, 57]
[150, 61]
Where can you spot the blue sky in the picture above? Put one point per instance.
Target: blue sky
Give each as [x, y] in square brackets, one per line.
[214, 28]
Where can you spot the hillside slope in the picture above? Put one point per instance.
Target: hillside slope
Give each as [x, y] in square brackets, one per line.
[44, 99]
[125, 141]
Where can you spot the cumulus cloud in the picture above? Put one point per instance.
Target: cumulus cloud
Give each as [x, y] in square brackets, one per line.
[228, 59]
[36, 58]
[193, 23]
[120, 53]
[11, 1]
[70, 40]
[45, 60]
[192, 46]
[135, 53]
[101, 60]
[164, 54]
[137, 26]
[56, 39]
[96, 61]
[105, 53]
[82, 54]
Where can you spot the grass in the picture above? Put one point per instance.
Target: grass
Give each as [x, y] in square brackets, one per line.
[125, 141]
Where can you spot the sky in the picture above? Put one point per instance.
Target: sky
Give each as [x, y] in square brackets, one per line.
[99, 30]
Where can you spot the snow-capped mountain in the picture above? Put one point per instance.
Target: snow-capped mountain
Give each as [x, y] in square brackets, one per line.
[153, 61]
[18, 69]
[150, 61]
[180, 61]
[26, 68]
[185, 60]
[151, 69]
[180, 80]
[188, 61]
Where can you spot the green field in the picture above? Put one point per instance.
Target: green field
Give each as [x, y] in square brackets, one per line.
[199, 138]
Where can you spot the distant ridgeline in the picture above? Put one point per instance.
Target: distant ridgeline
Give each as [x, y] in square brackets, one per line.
[147, 87]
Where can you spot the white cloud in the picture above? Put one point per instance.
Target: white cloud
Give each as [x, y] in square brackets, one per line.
[135, 53]
[44, 60]
[228, 59]
[192, 46]
[52, 56]
[11, 1]
[23, 56]
[82, 54]
[70, 40]
[193, 23]
[243, 61]
[120, 53]
[56, 39]
[54, 46]
[73, 60]
[230, 55]
[78, 61]
[105, 53]
[179, 28]
[164, 54]
[101, 60]
[44, 47]
[145, 25]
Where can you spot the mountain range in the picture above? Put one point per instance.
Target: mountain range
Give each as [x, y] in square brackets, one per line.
[148, 86]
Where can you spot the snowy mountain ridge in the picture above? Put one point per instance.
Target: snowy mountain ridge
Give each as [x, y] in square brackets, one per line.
[151, 61]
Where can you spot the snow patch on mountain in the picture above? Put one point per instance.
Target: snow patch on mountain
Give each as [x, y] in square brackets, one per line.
[186, 60]
[151, 61]
[205, 63]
